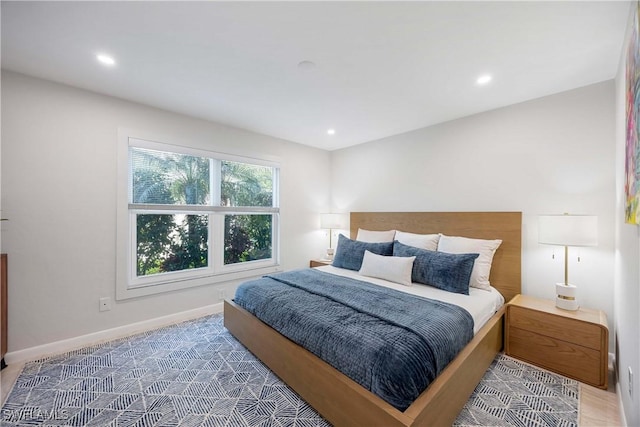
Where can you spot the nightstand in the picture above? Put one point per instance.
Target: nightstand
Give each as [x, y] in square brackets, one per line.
[570, 343]
[319, 262]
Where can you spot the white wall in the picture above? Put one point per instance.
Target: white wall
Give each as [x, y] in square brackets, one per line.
[547, 156]
[627, 266]
[551, 155]
[59, 189]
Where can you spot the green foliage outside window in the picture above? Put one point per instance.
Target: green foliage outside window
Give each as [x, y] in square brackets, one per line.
[246, 237]
[179, 241]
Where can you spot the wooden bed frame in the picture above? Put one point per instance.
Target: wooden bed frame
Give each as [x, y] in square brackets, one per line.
[342, 401]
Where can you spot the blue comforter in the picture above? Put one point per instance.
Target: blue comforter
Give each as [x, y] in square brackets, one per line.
[392, 343]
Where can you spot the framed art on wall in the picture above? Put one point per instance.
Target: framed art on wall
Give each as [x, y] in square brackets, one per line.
[632, 148]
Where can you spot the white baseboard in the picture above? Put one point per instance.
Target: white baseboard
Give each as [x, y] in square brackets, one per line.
[58, 347]
[623, 418]
[613, 367]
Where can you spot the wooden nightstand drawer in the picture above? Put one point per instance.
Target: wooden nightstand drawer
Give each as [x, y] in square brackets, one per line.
[571, 360]
[562, 328]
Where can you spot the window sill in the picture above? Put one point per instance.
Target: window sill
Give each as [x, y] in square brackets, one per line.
[123, 292]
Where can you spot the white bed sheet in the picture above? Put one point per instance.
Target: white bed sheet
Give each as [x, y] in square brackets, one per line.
[481, 304]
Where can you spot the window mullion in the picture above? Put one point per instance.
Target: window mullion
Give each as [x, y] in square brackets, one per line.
[215, 177]
[217, 231]
[276, 187]
[149, 208]
[198, 209]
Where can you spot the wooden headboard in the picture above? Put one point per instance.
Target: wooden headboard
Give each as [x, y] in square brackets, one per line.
[506, 270]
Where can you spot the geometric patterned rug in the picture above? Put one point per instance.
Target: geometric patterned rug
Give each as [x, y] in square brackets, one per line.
[514, 393]
[196, 374]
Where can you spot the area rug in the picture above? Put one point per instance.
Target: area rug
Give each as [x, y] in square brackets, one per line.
[196, 374]
[514, 393]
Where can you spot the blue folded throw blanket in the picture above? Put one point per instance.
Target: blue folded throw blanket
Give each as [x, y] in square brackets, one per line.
[392, 343]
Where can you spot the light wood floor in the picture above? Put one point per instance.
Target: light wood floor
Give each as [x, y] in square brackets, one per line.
[597, 407]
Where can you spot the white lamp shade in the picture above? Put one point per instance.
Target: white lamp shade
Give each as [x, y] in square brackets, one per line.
[568, 230]
[332, 220]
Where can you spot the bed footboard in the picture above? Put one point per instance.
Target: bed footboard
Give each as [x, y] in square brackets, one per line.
[342, 401]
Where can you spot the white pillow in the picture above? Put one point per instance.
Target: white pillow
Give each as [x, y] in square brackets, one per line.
[375, 236]
[422, 241]
[482, 265]
[392, 268]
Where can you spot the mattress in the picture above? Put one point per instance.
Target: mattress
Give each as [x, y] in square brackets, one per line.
[481, 304]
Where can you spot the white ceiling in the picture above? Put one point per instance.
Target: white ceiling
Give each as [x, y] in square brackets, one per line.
[382, 68]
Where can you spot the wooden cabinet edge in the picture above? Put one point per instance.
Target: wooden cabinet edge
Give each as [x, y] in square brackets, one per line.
[318, 263]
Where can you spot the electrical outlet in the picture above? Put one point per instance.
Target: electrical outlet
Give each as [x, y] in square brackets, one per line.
[222, 294]
[630, 382]
[105, 304]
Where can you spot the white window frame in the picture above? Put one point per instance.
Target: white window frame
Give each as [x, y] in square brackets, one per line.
[128, 284]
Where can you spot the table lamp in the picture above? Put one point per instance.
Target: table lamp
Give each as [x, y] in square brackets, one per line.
[331, 221]
[567, 230]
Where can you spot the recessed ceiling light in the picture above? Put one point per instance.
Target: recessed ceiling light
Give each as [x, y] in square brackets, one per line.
[106, 59]
[331, 131]
[484, 79]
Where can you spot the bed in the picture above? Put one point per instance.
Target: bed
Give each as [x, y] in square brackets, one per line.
[341, 400]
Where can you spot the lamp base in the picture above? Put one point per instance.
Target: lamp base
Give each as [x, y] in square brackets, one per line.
[329, 255]
[566, 297]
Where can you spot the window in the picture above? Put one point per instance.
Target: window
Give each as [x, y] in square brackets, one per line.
[194, 217]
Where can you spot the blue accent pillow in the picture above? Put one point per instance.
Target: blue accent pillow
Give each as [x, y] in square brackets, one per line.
[349, 253]
[449, 272]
